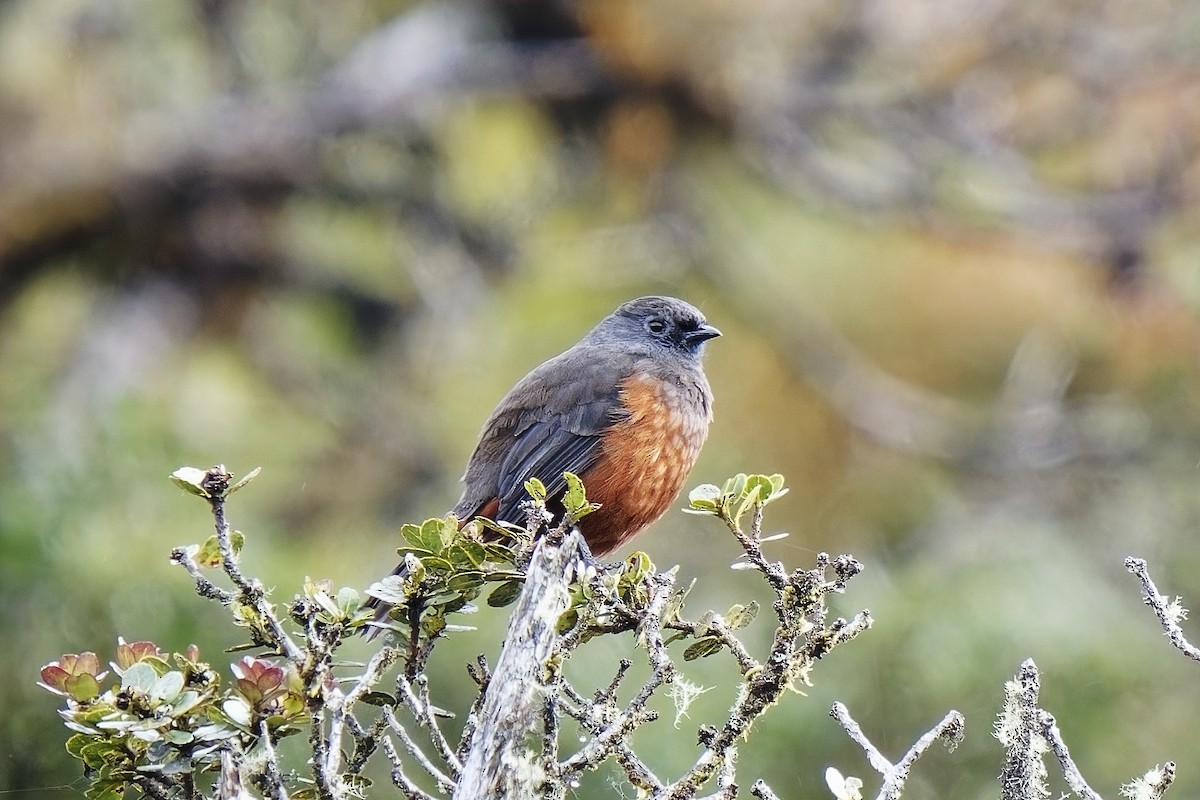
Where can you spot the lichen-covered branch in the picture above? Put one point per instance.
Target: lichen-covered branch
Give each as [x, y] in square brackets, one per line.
[1169, 612]
[949, 730]
[1028, 732]
[499, 762]
[510, 741]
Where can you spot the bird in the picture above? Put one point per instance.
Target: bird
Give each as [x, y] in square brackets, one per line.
[626, 409]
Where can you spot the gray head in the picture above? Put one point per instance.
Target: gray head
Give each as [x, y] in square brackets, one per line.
[656, 322]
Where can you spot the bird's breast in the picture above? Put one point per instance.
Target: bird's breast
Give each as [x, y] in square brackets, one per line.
[645, 456]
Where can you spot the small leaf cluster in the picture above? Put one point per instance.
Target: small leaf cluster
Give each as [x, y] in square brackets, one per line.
[601, 600]
[709, 628]
[444, 568]
[211, 484]
[331, 607]
[738, 495]
[166, 717]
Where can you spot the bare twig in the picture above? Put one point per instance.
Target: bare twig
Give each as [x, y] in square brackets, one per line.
[1074, 778]
[337, 706]
[216, 482]
[271, 772]
[400, 777]
[950, 729]
[800, 638]
[762, 791]
[1169, 612]
[1153, 785]
[204, 587]
[622, 727]
[423, 711]
[444, 781]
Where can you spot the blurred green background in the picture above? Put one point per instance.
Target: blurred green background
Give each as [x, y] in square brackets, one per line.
[954, 248]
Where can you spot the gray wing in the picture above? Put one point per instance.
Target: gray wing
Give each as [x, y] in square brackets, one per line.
[551, 422]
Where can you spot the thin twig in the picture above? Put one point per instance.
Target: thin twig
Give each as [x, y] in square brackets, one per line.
[204, 587]
[1023, 776]
[1168, 613]
[762, 791]
[216, 481]
[896, 775]
[950, 729]
[399, 777]
[878, 761]
[271, 773]
[1074, 778]
[635, 714]
[338, 704]
[444, 781]
[422, 710]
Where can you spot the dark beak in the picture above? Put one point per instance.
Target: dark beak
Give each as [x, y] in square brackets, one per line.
[701, 334]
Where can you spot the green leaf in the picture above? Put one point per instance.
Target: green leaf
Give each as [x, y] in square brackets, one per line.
[140, 677]
[748, 498]
[735, 485]
[466, 581]
[575, 499]
[76, 744]
[432, 626]
[110, 789]
[760, 483]
[209, 554]
[375, 699]
[568, 620]
[536, 490]
[433, 534]
[102, 753]
[82, 687]
[186, 702]
[189, 479]
[504, 594]
[468, 554]
[179, 737]
[348, 599]
[251, 475]
[437, 564]
[702, 648]
[704, 498]
[739, 616]
[168, 687]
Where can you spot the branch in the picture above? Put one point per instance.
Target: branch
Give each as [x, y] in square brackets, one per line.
[1071, 773]
[606, 741]
[423, 711]
[1024, 774]
[1028, 732]
[512, 706]
[1169, 612]
[337, 707]
[950, 729]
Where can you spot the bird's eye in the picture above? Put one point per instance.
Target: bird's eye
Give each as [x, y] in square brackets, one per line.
[656, 325]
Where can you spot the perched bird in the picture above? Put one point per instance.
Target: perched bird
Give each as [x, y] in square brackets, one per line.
[627, 409]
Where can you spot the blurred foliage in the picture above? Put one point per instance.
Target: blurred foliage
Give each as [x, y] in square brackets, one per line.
[953, 249]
